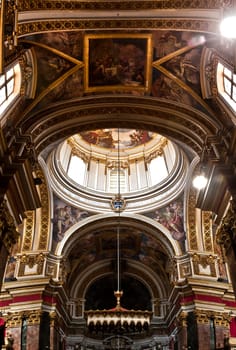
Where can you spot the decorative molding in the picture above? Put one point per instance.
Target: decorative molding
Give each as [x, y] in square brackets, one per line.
[51, 269]
[31, 265]
[35, 5]
[207, 231]
[96, 108]
[201, 317]
[191, 213]
[34, 317]
[204, 265]
[53, 318]
[122, 24]
[159, 151]
[185, 270]
[182, 319]
[28, 231]
[220, 319]
[14, 320]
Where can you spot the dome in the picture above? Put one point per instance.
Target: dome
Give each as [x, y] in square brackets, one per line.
[88, 165]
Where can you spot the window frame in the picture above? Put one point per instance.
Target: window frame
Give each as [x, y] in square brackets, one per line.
[222, 69]
[11, 95]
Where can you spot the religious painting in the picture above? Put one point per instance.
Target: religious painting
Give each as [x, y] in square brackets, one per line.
[117, 61]
[64, 217]
[172, 218]
[109, 138]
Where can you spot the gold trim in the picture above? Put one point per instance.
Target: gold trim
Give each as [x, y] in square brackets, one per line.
[147, 69]
[188, 24]
[184, 87]
[46, 5]
[53, 50]
[50, 88]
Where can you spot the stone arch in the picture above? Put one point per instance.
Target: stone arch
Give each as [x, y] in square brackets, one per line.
[153, 279]
[153, 283]
[137, 220]
[185, 126]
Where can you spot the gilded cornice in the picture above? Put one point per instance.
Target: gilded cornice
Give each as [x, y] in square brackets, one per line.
[31, 261]
[220, 319]
[34, 5]
[14, 320]
[204, 261]
[120, 24]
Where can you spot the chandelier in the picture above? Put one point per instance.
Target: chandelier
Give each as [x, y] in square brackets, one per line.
[118, 320]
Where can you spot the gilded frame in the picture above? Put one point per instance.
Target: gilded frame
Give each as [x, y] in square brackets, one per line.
[117, 61]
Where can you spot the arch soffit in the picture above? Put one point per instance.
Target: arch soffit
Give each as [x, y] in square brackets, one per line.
[157, 230]
[153, 282]
[180, 123]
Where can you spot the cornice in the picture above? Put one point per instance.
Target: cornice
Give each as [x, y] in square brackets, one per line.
[25, 5]
[190, 24]
[94, 111]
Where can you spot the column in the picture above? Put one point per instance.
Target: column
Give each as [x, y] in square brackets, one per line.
[182, 334]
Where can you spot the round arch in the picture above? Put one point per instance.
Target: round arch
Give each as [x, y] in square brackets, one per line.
[184, 125]
[101, 220]
[153, 283]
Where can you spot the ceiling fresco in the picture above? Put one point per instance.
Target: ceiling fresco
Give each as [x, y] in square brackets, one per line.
[134, 244]
[64, 217]
[117, 60]
[112, 138]
[65, 72]
[172, 218]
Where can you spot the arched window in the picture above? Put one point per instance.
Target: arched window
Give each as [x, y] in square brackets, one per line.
[116, 176]
[158, 170]
[226, 84]
[10, 83]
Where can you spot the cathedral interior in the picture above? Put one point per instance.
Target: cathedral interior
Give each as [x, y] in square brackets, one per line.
[110, 111]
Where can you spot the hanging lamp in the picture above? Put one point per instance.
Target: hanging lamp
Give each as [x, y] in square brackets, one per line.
[118, 320]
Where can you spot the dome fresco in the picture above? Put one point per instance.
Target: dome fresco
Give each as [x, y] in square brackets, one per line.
[88, 161]
[109, 138]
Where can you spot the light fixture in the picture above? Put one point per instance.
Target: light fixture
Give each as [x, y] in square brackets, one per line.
[228, 31]
[200, 181]
[118, 320]
[228, 27]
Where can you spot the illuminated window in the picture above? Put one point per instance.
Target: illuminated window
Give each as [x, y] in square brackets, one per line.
[226, 83]
[116, 177]
[9, 86]
[158, 170]
[76, 170]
